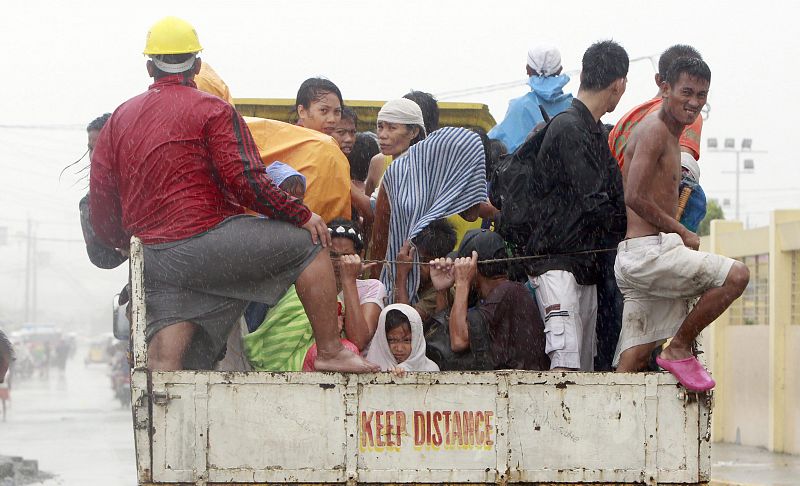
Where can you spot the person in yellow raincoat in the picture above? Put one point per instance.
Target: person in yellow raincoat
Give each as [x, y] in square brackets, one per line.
[314, 154]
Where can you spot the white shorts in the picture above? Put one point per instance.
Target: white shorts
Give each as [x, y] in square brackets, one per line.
[569, 312]
[659, 278]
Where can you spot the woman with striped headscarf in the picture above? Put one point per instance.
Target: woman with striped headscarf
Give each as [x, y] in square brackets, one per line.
[443, 175]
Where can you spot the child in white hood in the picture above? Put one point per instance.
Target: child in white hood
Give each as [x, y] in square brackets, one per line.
[399, 343]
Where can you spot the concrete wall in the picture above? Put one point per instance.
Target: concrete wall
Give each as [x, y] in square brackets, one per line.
[757, 367]
[792, 413]
[746, 393]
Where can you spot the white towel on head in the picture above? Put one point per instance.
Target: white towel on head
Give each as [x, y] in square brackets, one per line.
[688, 162]
[545, 60]
[380, 354]
[402, 111]
[438, 177]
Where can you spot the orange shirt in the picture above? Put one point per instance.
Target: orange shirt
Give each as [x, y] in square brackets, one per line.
[618, 138]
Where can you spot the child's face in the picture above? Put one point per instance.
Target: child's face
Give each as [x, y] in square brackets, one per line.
[399, 340]
[295, 188]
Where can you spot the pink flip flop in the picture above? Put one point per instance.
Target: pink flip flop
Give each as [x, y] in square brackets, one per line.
[689, 372]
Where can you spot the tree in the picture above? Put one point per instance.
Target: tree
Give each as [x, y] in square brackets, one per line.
[713, 211]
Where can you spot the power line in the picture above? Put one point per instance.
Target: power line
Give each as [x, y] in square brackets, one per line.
[765, 189]
[47, 238]
[48, 126]
[521, 82]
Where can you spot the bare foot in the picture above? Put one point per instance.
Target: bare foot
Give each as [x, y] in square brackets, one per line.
[674, 353]
[345, 361]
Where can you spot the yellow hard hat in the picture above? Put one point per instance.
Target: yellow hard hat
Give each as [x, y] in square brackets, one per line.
[171, 35]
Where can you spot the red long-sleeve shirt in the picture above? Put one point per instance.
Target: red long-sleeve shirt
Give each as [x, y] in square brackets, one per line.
[174, 162]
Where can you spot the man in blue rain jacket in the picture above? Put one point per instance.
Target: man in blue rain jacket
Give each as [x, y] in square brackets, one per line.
[547, 83]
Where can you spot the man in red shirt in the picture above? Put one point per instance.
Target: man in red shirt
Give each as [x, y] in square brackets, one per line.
[690, 138]
[176, 167]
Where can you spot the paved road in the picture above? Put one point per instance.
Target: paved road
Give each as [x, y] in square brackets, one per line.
[737, 465]
[73, 426]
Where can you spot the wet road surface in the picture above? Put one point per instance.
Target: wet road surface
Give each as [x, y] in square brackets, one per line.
[72, 424]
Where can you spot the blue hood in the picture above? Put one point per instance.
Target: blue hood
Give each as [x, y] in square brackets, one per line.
[549, 89]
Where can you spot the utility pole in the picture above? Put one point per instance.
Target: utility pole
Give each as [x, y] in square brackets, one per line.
[746, 148]
[31, 280]
[34, 276]
[28, 273]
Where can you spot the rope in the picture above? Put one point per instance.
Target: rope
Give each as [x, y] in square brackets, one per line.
[497, 260]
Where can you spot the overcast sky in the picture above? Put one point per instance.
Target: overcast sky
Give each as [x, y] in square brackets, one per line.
[64, 63]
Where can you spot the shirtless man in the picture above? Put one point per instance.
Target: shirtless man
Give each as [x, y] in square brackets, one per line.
[657, 266]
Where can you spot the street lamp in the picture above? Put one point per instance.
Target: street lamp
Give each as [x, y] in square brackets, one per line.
[749, 164]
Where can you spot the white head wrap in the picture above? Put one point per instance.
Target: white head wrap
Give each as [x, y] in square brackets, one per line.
[402, 111]
[174, 68]
[380, 353]
[688, 162]
[545, 60]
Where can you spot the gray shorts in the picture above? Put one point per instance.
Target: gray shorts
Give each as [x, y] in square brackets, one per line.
[209, 279]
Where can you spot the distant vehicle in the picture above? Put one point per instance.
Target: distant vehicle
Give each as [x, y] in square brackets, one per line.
[99, 349]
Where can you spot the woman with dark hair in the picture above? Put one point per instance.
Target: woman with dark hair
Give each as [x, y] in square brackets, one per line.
[364, 149]
[319, 105]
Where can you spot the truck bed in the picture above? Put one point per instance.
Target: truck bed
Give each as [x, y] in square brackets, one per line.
[205, 427]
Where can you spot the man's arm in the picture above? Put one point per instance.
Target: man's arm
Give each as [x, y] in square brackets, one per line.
[236, 158]
[642, 169]
[464, 270]
[380, 229]
[100, 255]
[360, 321]
[442, 280]
[361, 203]
[105, 207]
[405, 261]
[374, 172]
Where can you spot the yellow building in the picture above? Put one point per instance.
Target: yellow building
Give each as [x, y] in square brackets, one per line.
[754, 347]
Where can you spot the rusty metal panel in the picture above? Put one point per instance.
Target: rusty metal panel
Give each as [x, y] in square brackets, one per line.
[564, 428]
[277, 433]
[249, 428]
[174, 437]
[678, 419]
[140, 403]
[427, 428]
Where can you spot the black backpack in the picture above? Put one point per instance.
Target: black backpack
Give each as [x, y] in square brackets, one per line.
[512, 192]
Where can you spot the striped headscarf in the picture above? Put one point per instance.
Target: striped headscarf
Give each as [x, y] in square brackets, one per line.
[438, 177]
